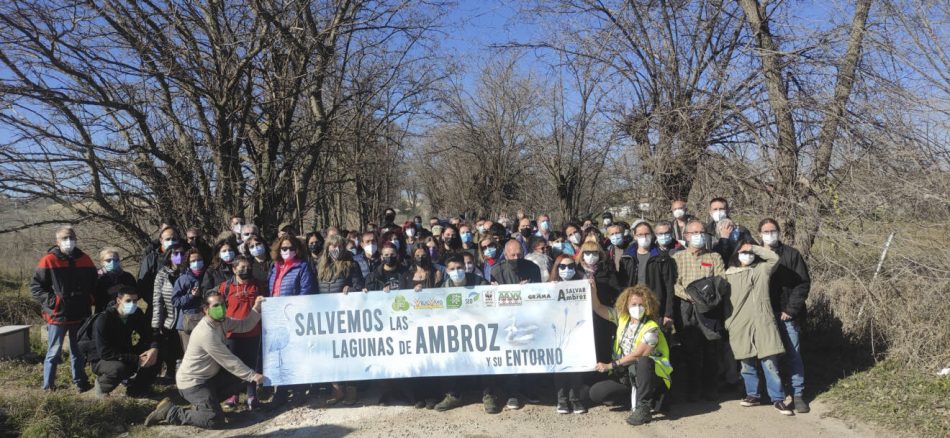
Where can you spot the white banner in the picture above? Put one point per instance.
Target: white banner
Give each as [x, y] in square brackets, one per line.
[506, 329]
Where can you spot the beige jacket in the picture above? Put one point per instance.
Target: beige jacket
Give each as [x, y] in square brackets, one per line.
[751, 323]
[207, 352]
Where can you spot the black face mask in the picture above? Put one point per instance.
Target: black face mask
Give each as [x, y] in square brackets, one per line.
[314, 249]
[525, 232]
[244, 275]
[421, 260]
[390, 217]
[389, 261]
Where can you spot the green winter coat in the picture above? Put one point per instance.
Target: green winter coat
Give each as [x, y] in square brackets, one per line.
[751, 323]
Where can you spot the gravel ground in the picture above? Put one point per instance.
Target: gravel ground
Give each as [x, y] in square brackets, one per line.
[702, 419]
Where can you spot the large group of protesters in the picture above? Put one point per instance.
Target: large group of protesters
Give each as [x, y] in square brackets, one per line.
[720, 303]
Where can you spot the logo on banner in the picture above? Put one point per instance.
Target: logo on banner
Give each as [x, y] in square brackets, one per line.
[472, 298]
[400, 304]
[489, 298]
[453, 301]
[571, 295]
[428, 303]
[539, 296]
[509, 298]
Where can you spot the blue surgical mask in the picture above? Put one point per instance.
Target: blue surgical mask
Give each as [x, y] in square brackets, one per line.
[457, 275]
[567, 248]
[616, 239]
[111, 266]
[490, 252]
[545, 225]
[226, 256]
[466, 237]
[664, 239]
[128, 307]
[196, 265]
[257, 250]
[697, 240]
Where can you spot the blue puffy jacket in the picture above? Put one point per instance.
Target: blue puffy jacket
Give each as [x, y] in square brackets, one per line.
[183, 300]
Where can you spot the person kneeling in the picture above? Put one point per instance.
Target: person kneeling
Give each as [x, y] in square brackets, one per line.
[207, 373]
[641, 355]
[114, 358]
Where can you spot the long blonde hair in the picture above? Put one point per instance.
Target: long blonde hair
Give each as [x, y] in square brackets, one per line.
[329, 269]
[650, 305]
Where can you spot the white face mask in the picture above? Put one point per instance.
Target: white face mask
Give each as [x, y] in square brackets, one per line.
[370, 249]
[608, 221]
[746, 259]
[410, 232]
[644, 242]
[679, 212]
[770, 238]
[718, 215]
[591, 259]
[457, 275]
[636, 311]
[237, 229]
[697, 240]
[66, 246]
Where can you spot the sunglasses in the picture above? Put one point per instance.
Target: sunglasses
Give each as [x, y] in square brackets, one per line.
[563, 267]
[286, 248]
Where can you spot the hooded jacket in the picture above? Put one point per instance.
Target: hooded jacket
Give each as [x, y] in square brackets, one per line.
[64, 286]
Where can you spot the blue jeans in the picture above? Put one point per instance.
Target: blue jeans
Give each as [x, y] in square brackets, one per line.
[773, 383]
[54, 353]
[792, 360]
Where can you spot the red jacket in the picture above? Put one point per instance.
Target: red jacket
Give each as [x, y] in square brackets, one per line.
[64, 286]
[240, 300]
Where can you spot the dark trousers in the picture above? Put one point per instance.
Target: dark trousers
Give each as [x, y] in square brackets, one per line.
[497, 385]
[169, 351]
[702, 358]
[111, 373]
[642, 374]
[568, 386]
[249, 351]
[205, 410]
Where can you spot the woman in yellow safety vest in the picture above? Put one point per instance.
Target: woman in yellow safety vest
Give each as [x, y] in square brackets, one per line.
[641, 357]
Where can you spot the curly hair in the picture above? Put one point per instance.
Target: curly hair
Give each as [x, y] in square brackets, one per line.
[650, 304]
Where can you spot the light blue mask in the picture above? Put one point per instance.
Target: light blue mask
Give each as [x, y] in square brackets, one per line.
[128, 308]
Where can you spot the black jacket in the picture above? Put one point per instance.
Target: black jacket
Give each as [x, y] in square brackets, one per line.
[106, 281]
[64, 286]
[152, 260]
[396, 279]
[708, 310]
[515, 271]
[214, 277]
[790, 283]
[660, 276]
[113, 336]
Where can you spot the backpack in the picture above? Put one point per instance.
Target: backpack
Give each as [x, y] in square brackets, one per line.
[85, 339]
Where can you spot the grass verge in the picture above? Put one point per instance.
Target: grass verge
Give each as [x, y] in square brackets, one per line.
[895, 397]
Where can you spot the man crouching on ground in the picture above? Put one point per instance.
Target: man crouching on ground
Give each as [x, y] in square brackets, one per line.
[201, 379]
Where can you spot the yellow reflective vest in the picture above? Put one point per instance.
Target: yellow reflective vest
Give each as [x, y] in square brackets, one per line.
[661, 353]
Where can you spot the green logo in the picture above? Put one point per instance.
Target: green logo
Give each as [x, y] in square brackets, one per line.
[400, 304]
[453, 301]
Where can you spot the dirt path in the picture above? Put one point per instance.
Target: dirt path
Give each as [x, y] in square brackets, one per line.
[705, 419]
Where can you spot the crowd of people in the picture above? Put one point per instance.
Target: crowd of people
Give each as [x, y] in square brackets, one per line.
[707, 299]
